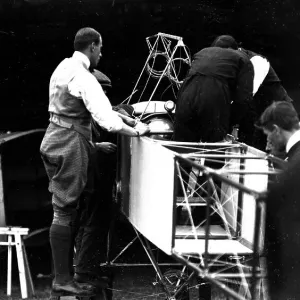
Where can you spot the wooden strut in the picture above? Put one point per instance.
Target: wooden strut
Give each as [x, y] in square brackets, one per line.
[15, 238]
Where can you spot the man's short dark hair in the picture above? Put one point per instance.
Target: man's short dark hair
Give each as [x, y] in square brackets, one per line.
[225, 41]
[84, 37]
[280, 113]
[102, 78]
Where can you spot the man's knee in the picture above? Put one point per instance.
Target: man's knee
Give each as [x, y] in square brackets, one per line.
[64, 216]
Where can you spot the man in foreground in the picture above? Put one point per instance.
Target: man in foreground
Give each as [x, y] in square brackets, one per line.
[280, 123]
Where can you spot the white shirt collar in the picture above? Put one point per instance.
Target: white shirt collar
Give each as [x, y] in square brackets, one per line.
[83, 58]
[293, 140]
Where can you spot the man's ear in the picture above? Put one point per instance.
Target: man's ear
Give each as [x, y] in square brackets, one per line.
[277, 129]
[92, 47]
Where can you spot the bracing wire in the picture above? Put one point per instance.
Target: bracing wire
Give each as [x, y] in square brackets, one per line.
[163, 48]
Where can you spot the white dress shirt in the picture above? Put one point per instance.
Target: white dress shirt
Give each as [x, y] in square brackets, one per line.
[86, 87]
[261, 68]
[293, 140]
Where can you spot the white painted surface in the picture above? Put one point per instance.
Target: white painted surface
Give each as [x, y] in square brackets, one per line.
[151, 192]
[189, 246]
[150, 203]
[229, 195]
[149, 107]
[185, 231]
[2, 206]
[258, 183]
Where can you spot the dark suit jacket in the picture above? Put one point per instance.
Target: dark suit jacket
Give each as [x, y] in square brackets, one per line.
[203, 109]
[283, 231]
[294, 153]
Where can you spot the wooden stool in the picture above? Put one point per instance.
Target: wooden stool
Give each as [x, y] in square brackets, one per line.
[15, 238]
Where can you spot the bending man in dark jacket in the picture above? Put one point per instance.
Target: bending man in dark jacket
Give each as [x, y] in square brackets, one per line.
[216, 78]
[267, 87]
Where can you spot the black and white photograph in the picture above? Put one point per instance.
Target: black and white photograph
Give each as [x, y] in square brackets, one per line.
[149, 150]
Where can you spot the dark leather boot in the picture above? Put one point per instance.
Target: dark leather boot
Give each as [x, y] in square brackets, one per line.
[96, 281]
[71, 288]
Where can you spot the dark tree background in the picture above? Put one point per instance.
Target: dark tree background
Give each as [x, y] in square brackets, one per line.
[36, 35]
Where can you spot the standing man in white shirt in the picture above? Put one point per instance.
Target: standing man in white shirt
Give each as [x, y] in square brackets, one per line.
[280, 123]
[74, 97]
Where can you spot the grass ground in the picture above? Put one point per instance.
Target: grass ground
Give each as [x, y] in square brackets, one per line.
[130, 283]
[137, 283]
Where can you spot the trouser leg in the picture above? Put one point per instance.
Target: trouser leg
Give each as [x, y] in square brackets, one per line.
[65, 154]
[78, 240]
[92, 251]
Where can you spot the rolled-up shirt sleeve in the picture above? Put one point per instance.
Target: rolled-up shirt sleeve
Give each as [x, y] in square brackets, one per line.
[86, 86]
[261, 68]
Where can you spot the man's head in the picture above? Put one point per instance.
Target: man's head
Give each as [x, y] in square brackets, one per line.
[279, 121]
[102, 79]
[225, 41]
[88, 41]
